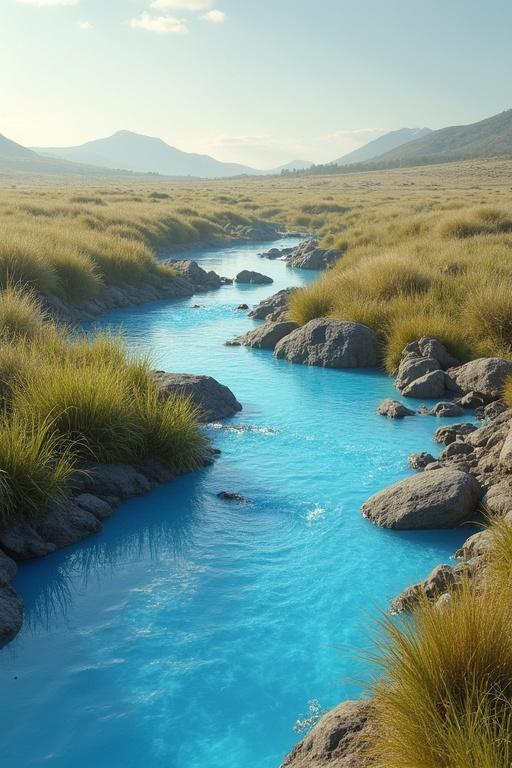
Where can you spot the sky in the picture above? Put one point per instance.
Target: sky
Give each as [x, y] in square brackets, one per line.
[260, 82]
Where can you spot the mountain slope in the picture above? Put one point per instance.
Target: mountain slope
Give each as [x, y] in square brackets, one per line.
[381, 145]
[9, 150]
[293, 165]
[492, 136]
[145, 154]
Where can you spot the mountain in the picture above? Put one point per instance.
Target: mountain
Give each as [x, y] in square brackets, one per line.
[492, 136]
[145, 154]
[294, 165]
[9, 150]
[381, 145]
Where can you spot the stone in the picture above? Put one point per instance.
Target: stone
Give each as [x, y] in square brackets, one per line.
[243, 307]
[506, 451]
[21, 541]
[229, 496]
[471, 400]
[457, 448]
[453, 432]
[338, 740]
[66, 523]
[442, 579]
[486, 376]
[258, 231]
[413, 368]
[214, 399]
[275, 307]
[477, 545]
[495, 409]
[441, 499]
[431, 347]
[393, 409]
[94, 505]
[419, 461]
[11, 613]
[446, 410]
[264, 337]
[253, 278]
[428, 386]
[8, 568]
[120, 481]
[330, 344]
[199, 277]
[498, 498]
[309, 255]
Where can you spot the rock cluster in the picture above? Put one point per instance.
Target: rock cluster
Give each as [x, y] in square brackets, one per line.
[275, 307]
[421, 372]
[309, 255]
[330, 344]
[276, 253]
[199, 278]
[264, 337]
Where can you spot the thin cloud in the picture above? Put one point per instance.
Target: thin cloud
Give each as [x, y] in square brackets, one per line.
[215, 16]
[161, 25]
[48, 3]
[85, 25]
[182, 5]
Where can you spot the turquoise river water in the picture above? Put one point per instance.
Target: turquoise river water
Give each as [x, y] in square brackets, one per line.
[193, 633]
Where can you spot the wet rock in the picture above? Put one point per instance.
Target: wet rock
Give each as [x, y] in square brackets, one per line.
[11, 613]
[453, 432]
[215, 400]
[308, 255]
[228, 496]
[196, 275]
[446, 410]
[243, 307]
[252, 278]
[486, 376]
[338, 740]
[419, 461]
[330, 344]
[429, 386]
[441, 499]
[264, 337]
[275, 307]
[393, 409]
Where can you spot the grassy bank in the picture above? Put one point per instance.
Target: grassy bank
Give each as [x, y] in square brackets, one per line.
[65, 401]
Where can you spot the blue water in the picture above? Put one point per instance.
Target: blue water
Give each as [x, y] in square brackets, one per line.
[191, 633]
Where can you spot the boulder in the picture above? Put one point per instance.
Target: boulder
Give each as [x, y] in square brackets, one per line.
[442, 579]
[21, 541]
[429, 386]
[446, 410]
[215, 400]
[428, 346]
[253, 278]
[441, 499]
[453, 432]
[8, 568]
[66, 523]
[413, 368]
[243, 307]
[393, 409]
[94, 505]
[457, 448]
[308, 255]
[470, 400]
[330, 344]
[258, 230]
[495, 409]
[419, 461]
[199, 277]
[275, 307]
[486, 376]
[338, 740]
[11, 613]
[276, 253]
[498, 498]
[506, 451]
[264, 337]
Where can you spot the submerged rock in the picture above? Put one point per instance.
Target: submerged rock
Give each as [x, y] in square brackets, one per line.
[265, 337]
[253, 278]
[393, 409]
[275, 307]
[330, 344]
[443, 498]
[215, 400]
[338, 740]
[229, 496]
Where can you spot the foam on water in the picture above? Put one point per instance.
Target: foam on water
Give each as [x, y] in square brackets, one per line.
[194, 633]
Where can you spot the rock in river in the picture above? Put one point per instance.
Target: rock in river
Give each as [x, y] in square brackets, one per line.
[443, 498]
[330, 344]
[393, 409]
[265, 337]
[215, 400]
[275, 307]
[252, 278]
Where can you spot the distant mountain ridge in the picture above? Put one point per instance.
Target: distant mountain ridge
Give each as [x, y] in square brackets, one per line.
[381, 145]
[10, 150]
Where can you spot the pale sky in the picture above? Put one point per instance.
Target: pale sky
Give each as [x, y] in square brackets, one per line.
[255, 81]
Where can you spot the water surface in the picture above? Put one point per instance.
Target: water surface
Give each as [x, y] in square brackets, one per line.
[192, 633]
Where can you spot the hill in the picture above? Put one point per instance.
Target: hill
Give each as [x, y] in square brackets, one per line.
[9, 150]
[492, 136]
[381, 145]
[145, 154]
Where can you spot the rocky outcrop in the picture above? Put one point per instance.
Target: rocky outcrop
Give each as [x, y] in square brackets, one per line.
[419, 461]
[447, 410]
[257, 231]
[250, 277]
[275, 307]
[198, 277]
[442, 499]
[485, 376]
[264, 337]
[339, 740]
[421, 371]
[215, 400]
[442, 579]
[393, 409]
[330, 344]
[309, 255]
[452, 432]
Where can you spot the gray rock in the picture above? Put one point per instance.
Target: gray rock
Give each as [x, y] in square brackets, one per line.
[393, 409]
[457, 448]
[120, 481]
[419, 461]
[253, 278]
[21, 541]
[94, 505]
[471, 400]
[338, 740]
[330, 344]
[498, 498]
[264, 337]
[196, 275]
[486, 376]
[413, 368]
[477, 545]
[495, 409]
[428, 346]
[446, 410]
[66, 523]
[453, 432]
[275, 307]
[441, 499]
[428, 386]
[442, 579]
[8, 568]
[506, 451]
[215, 400]
[11, 613]
[276, 253]
[309, 255]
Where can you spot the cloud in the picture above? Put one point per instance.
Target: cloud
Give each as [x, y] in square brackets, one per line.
[215, 16]
[162, 25]
[48, 3]
[182, 5]
[85, 25]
